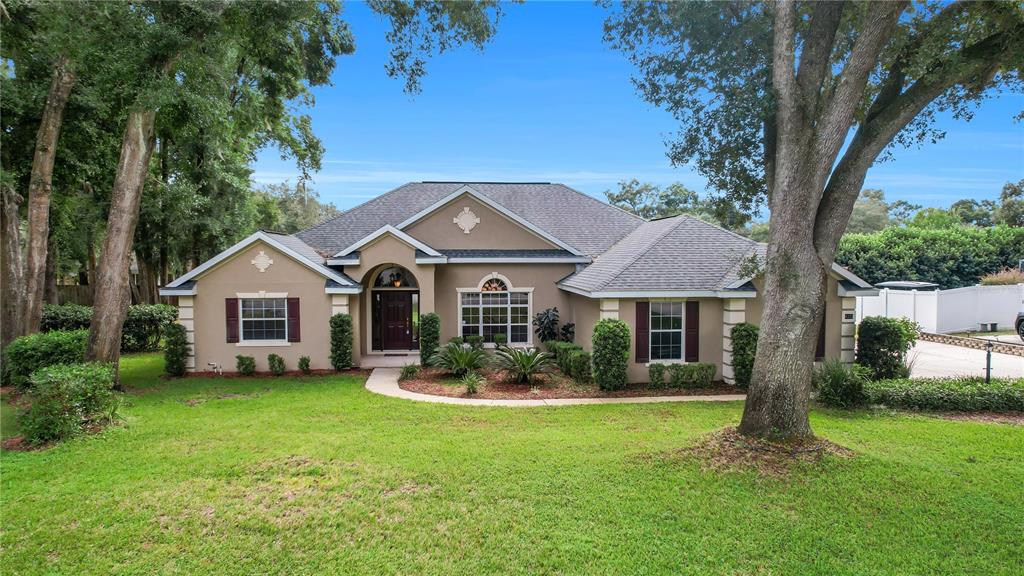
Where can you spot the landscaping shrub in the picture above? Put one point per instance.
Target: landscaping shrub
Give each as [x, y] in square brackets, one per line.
[409, 371]
[967, 394]
[66, 399]
[276, 364]
[579, 362]
[545, 324]
[950, 257]
[341, 341]
[475, 342]
[840, 385]
[656, 375]
[522, 364]
[744, 347]
[1006, 276]
[26, 354]
[459, 359]
[611, 353]
[245, 365]
[691, 375]
[430, 335]
[472, 382]
[304, 365]
[562, 351]
[567, 333]
[176, 349]
[144, 326]
[500, 339]
[456, 340]
[882, 345]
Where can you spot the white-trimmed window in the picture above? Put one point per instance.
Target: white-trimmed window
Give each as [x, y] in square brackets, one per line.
[494, 309]
[264, 319]
[666, 330]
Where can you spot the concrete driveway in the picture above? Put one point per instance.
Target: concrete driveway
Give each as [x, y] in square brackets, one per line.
[934, 359]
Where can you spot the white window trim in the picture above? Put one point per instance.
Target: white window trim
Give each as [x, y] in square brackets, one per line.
[651, 331]
[242, 342]
[508, 284]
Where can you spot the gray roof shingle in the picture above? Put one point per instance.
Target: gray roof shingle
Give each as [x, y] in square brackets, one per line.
[583, 222]
[679, 253]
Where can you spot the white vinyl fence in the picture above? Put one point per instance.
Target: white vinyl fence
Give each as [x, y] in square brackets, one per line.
[945, 311]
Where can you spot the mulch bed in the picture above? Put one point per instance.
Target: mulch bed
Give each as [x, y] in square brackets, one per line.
[728, 450]
[546, 387]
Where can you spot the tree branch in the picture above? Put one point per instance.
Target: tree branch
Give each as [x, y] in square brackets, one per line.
[816, 53]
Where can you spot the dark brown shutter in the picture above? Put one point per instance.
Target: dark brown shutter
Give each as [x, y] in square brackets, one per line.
[231, 318]
[692, 330]
[819, 351]
[643, 332]
[294, 332]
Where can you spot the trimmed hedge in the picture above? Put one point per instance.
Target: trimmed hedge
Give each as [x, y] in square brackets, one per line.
[176, 349]
[245, 365]
[882, 346]
[691, 375]
[580, 363]
[562, 352]
[66, 398]
[26, 354]
[950, 257]
[430, 336]
[276, 364]
[611, 353]
[969, 394]
[656, 375]
[341, 341]
[144, 326]
[744, 347]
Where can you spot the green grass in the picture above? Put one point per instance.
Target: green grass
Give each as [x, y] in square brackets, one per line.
[8, 420]
[317, 475]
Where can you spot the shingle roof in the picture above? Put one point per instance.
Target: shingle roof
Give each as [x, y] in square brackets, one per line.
[679, 253]
[583, 222]
[506, 253]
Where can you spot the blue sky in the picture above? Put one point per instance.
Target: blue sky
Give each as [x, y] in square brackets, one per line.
[547, 100]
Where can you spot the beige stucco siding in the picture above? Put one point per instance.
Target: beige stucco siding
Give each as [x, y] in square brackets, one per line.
[238, 275]
[540, 277]
[495, 230]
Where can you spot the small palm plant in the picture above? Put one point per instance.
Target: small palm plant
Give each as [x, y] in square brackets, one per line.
[459, 359]
[522, 364]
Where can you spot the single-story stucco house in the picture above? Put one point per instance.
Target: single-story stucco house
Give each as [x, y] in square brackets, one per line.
[486, 257]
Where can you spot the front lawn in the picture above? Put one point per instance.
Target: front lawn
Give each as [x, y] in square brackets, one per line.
[317, 475]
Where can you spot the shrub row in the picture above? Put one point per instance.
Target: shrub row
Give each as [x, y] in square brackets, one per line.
[562, 352]
[690, 375]
[969, 394]
[144, 326]
[26, 354]
[66, 399]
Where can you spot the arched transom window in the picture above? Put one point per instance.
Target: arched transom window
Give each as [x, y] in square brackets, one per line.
[494, 285]
[394, 277]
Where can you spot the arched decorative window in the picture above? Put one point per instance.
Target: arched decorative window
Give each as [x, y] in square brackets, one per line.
[494, 285]
[395, 277]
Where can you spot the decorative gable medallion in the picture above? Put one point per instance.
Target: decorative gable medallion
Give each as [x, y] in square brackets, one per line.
[262, 261]
[466, 220]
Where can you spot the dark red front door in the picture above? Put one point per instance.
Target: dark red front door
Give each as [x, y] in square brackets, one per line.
[397, 320]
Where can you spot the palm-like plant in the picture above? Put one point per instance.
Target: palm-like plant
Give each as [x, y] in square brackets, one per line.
[522, 364]
[459, 359]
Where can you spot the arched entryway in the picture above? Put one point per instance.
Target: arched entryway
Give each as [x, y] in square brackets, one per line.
[394, 309]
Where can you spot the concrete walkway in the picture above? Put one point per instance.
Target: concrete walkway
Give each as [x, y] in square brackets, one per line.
[385, 381]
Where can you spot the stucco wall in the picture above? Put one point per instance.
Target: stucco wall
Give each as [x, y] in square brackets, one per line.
[239, 275]
[495, 230]
[540, 277]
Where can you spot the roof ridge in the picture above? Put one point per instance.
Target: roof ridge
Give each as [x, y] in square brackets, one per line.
[639, 253]
[591, 198]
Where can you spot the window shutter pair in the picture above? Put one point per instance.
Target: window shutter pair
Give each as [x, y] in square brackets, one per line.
[691, 331]
[232, 321]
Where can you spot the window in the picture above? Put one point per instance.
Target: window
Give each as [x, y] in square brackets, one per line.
[395, 277]
[496, 310]
[666, 331]
[264, 319]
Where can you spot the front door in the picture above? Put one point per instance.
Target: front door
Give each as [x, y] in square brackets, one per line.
[397, 320]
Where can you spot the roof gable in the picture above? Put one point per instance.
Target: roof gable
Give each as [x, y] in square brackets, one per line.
[382, 231]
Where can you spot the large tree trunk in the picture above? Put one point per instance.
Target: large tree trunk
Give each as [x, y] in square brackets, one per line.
[39, 189]
[50, 286]
[11, 282]
[110, 304]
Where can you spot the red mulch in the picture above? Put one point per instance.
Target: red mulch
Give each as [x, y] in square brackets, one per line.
[16, 444]
[547, 386]
[321, 372]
